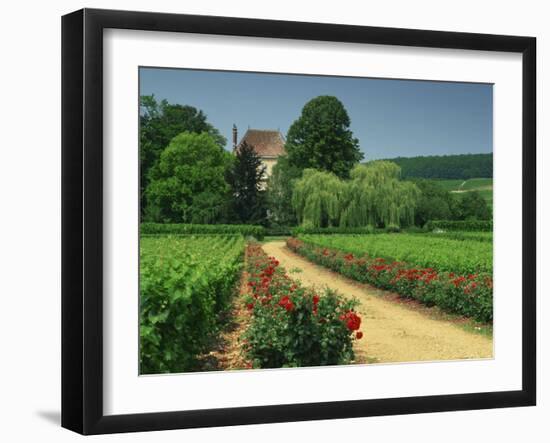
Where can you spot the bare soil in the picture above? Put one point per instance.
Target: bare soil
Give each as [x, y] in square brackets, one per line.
[394, 330]
[227, 351]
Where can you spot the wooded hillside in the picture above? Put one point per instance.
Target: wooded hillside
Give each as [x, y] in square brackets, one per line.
[463, 166]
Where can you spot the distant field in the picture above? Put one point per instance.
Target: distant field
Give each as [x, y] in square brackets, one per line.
[477, 183]
[482, 185]
[449, 184]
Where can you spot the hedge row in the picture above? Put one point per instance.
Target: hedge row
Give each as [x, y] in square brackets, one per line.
[469, 295]
[176, 228]
[462, 225]
[333, 230]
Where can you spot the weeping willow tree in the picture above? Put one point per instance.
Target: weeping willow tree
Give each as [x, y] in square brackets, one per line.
[316, 198]
[376, 196]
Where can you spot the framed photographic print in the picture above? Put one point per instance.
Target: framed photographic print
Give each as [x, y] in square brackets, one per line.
[269, 221]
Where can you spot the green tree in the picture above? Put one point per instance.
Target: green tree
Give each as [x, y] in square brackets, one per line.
[376, 196]
[461, 166]
[435, 203]
[321, 139]
[245, 179]
[160, 122]
[279, 193]
[316, 198]
[187, 184]
[474, 207]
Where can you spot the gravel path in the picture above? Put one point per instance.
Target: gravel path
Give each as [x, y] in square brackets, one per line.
[392, 332]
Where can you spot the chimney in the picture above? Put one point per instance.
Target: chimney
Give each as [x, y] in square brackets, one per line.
[234, 136]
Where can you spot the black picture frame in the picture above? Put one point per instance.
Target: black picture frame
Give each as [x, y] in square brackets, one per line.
[82, 218]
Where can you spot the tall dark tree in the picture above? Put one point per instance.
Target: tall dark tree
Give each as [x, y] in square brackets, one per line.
[321, 138]
[160, 122]
[245, 179]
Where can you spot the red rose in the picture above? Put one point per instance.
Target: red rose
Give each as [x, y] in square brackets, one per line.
[353, 321]
[359, 335]
[286, 302]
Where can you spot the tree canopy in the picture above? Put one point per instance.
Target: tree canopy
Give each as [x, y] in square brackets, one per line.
[321, 138]
[436, 203]
[160, 122]
[316, 198]
[373, 196]
[245, 179]
[280, 186]
[376, 196]
[187, 185]
[474, 207]
[463, 166]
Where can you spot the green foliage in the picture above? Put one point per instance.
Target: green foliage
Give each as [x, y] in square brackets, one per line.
[375, 196]
[278, 231]
[473, 206]
[477, 184]
[294, 326]
[280, 186]
[469, 294]
[435, 202]
[321, 139]
[185, 282]
[316, 198]
[442, 254]
[257, 232]
[446, 184]
[332, 230]
[462, 166]
[187, 185]
[245, 180]
[160, 123]
[463, 235]
[460, 225]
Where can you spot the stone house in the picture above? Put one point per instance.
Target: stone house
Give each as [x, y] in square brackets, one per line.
[267, 143]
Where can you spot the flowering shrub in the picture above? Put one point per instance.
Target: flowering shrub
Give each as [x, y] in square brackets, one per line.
[470, 295]
[294, 326]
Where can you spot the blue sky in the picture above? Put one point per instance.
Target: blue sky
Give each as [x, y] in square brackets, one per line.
[389, 117]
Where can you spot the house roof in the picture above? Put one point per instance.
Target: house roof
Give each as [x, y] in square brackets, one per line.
[266, 142]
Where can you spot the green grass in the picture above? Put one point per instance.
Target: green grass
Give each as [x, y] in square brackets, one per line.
[487, 194]
[477, 184]
[482, 185]
[450, 184]
[466, 185]
[463, 235]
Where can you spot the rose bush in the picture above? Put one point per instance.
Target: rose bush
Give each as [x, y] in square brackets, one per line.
[294, 326]
[469, 295]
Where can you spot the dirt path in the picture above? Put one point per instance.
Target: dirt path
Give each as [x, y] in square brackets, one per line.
[392, 332]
